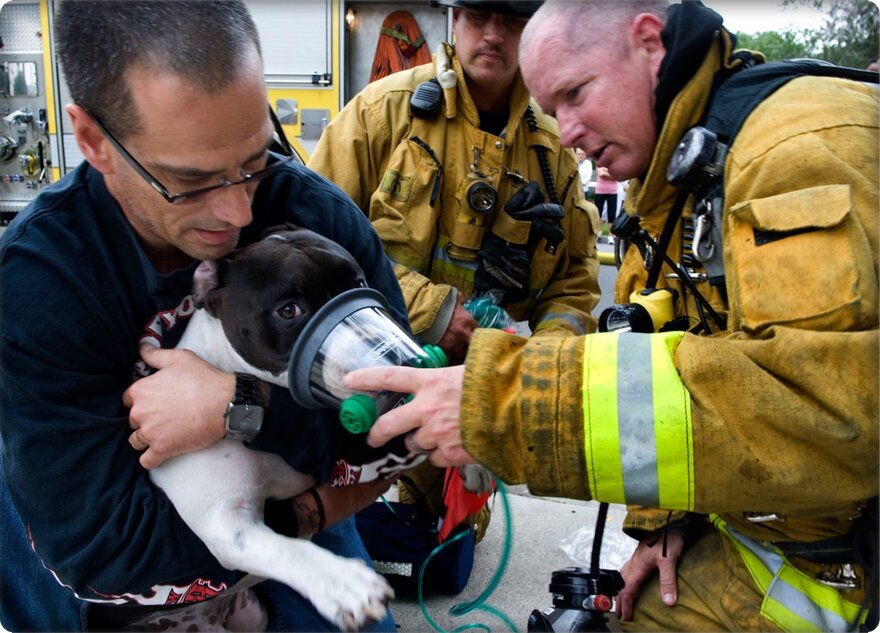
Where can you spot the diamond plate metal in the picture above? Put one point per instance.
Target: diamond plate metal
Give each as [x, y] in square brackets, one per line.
[20, 27]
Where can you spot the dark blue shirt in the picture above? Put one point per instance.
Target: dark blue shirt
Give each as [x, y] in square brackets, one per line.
[77, 293]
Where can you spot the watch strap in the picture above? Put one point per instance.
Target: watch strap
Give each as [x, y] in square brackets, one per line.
[247, 390]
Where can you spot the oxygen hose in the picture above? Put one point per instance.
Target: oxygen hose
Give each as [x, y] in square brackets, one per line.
[479, 603]
[598, 533]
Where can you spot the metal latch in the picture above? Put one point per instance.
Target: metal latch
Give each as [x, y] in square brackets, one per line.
[845, 578]
[759, 517]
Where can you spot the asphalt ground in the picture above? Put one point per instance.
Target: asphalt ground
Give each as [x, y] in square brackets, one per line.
[546, 534]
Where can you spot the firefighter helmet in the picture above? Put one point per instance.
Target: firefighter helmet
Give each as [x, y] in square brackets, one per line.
[521, 8]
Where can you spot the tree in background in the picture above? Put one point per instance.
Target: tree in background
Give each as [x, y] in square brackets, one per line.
[778, 45]
[850, 35]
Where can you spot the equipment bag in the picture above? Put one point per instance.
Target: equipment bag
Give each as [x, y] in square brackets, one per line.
[400, 537]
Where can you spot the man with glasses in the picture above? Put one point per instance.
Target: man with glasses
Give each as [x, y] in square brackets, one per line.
[202, 193]
[169, 110]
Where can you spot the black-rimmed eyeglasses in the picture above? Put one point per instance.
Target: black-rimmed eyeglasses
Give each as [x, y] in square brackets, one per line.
[195, 195]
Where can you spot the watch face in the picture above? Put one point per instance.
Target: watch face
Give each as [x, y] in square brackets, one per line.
[244, 419]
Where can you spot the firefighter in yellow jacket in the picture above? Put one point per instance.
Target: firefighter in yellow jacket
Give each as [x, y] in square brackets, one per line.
[466, 183]
[768, 428]
[434, 176]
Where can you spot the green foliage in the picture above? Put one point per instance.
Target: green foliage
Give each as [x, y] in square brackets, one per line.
[777, 45]
[850, 36]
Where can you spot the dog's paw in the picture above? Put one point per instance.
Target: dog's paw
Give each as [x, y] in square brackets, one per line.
[357, 595]
[374, 612]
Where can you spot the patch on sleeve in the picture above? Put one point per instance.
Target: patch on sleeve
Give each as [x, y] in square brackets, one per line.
[396, 186]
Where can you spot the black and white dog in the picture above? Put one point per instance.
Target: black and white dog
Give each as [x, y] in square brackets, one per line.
[252, 307]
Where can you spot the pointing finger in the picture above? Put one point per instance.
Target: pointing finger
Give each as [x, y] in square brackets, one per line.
[668, 583]
[399, 379]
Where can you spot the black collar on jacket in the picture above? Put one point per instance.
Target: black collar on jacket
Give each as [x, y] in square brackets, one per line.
[689, 32]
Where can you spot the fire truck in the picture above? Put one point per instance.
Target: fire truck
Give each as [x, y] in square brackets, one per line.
[317, 54]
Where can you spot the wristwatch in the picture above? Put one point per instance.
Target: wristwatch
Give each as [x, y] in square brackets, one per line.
[244, 415]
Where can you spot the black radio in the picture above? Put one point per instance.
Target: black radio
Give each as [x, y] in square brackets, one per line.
[426, 99]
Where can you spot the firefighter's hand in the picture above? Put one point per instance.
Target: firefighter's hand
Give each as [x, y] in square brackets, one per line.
[647, 559]
[180, 408]
[458, 333]
[434, 413]
[505, 268]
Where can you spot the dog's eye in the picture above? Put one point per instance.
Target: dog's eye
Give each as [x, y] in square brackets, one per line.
[289, 311]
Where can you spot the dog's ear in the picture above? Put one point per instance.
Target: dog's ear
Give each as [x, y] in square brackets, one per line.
[280, 228]
[206, 280]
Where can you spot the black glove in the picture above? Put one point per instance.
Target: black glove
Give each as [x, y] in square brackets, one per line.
[504, 259]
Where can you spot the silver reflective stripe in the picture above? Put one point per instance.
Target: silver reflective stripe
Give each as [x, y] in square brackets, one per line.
[440, 254]
[576, 323]
[635, 418]
[787, 595]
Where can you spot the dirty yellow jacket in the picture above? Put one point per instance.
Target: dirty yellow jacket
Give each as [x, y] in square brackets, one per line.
[412, 175]
[778, 415]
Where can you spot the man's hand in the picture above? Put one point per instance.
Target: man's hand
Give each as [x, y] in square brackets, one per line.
[647, 558]
[435, 407]
[458, 333]
[180, 408]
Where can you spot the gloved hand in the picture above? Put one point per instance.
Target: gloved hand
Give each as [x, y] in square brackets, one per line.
[504, 260]
[476, 478]
[486, 310]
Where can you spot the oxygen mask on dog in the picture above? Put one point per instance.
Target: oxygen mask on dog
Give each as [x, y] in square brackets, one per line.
[351, 331]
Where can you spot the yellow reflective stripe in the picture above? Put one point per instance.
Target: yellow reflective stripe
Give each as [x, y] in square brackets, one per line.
[672, 426]
[787, 620]
[601, 446]
[797, 602]
[452, 267]
[760, 573]
[638, 439]
[792, 600]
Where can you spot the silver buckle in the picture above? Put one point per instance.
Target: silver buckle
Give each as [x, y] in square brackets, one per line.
[845, 578]
[758, 517]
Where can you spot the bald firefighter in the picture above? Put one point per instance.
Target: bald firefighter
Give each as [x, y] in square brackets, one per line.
[744, 433]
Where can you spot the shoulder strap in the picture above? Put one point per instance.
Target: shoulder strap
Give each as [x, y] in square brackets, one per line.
[735, 99]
